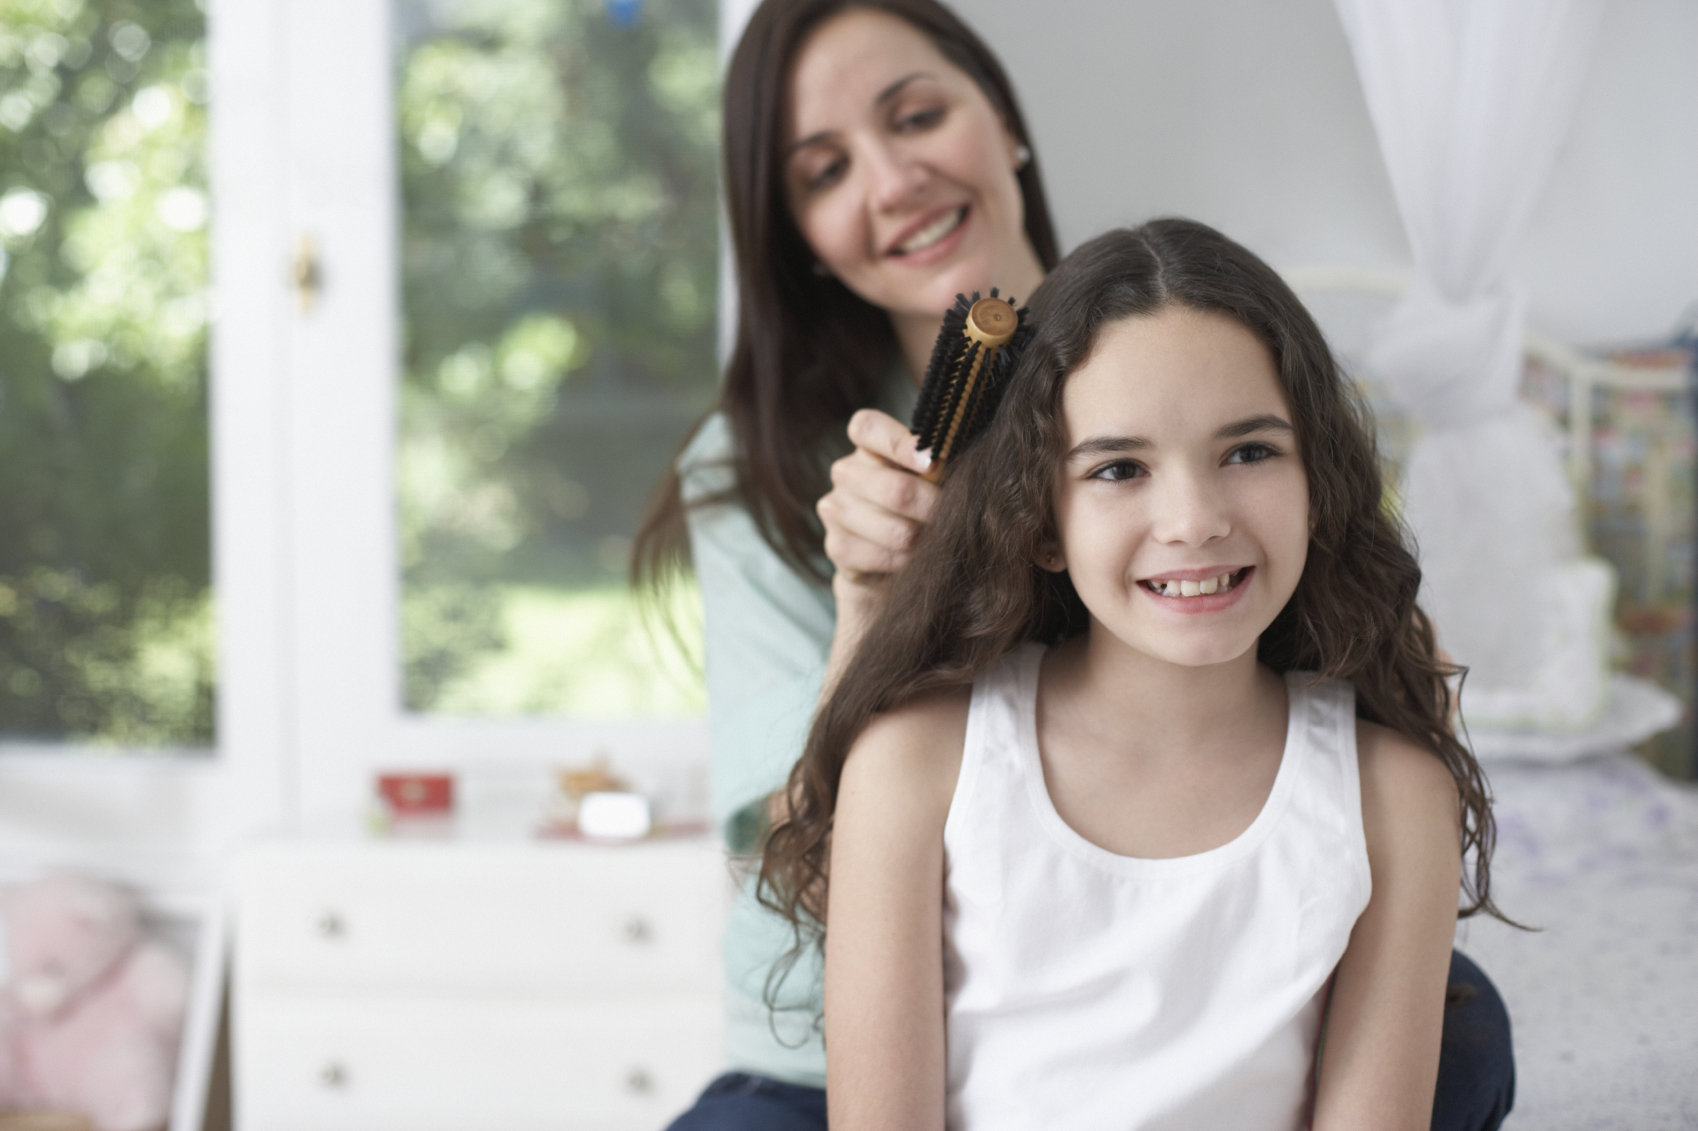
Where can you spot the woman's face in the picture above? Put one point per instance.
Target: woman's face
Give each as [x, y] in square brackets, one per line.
[899, 172]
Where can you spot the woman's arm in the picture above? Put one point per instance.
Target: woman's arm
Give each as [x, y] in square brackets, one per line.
[774, 637]
[877, 505]
[1386, 1014]
[884, 995]
[767, 631]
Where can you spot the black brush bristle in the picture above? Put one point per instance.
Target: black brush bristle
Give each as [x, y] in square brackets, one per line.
[936, 402]
[940, 404]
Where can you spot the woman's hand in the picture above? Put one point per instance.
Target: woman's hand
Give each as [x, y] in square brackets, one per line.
[878, 501]
[877, 505]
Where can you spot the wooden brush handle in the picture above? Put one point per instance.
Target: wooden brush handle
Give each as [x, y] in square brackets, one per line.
[991, 322]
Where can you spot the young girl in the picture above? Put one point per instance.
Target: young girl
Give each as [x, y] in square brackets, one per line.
[1143, 776]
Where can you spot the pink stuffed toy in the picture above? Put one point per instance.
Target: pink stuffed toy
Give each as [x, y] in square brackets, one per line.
[91, 1019]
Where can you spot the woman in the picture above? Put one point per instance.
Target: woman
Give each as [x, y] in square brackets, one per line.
[876, 164]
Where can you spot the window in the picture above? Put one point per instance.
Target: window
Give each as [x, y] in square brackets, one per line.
[557, 280]
[106, 612]
[461, 310]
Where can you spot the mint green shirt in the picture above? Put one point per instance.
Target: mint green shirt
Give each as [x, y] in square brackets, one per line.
[768, 632]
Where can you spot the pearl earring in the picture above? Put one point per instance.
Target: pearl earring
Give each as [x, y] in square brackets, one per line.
[1022, 155]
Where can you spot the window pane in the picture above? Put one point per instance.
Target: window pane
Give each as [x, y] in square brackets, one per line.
[558, 258]
[105, 598]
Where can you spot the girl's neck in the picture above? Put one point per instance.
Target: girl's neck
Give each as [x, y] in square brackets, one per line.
[1172, 708]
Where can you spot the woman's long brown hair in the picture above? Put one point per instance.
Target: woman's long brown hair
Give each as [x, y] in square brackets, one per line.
[808, 352]
[973, 591]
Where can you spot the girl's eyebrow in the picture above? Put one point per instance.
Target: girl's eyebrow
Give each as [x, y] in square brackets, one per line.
[1106, 445]
[1266, 422]
[1115, 445]
[888, 94]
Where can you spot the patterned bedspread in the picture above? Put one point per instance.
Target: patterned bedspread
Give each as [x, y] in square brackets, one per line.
[1602, 855]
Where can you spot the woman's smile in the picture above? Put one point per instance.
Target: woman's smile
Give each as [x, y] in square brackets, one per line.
[900, 174]
[938, 232]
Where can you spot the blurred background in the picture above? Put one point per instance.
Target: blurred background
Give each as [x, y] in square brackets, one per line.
[553, 296]
[342, 344]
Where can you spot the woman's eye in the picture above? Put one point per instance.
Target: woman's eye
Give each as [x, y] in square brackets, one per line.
[1252, 453]
[826, 175]
[1117, 471]
[920, 120]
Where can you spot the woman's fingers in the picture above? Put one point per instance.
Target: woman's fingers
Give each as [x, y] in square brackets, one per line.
[870, 481]
[872, 514]
[880, 434]
[878, 503]
[862, 537]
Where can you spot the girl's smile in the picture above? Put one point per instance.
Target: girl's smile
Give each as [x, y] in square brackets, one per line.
[1182, 504]
[1188, 591]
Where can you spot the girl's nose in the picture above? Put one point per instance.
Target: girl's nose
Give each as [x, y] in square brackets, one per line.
[1191, 511]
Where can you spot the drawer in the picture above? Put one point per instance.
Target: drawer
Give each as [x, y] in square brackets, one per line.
[304, 1063]
[580, 919]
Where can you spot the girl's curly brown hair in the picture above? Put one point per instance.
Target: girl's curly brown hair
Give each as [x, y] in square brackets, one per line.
[972, 590]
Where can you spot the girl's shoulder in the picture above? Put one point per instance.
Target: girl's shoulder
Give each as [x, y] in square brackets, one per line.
[913, 752]
[1408, 793]
[1400, 761]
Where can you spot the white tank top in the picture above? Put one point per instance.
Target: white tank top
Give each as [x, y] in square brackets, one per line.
[1090, 990]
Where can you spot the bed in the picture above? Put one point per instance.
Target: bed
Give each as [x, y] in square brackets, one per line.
[1600, 854]
[1596, 849]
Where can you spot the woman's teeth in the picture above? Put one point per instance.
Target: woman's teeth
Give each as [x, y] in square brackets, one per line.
[932, 232]
[1201, 588]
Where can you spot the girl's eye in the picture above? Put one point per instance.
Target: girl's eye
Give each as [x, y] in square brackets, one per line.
[1252, 453]
[1117, 471]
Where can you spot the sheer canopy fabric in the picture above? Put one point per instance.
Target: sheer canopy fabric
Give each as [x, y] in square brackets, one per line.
[1471, 101]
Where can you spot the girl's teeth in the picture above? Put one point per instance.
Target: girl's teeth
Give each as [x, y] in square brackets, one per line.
[1206, 586]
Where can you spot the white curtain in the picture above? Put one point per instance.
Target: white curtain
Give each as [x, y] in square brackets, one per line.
[1471, 100]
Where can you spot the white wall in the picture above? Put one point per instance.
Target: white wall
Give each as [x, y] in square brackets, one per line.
[1247, 114]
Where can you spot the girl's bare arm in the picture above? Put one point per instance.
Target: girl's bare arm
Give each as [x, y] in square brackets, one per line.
[1381, 1057]
[884, 997]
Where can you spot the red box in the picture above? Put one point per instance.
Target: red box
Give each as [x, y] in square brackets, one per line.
[417, 793]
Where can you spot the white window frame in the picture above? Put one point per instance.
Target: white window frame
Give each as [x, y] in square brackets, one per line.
[165, 818]
[344, 372]
[305, 541]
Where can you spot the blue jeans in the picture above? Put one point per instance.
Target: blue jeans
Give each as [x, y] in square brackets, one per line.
[739, 1101]
[1476, 1074]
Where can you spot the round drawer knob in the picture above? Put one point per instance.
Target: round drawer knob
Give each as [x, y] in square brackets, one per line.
[333, 1076]
[331, 925]
[638, 1082]
[636, 931]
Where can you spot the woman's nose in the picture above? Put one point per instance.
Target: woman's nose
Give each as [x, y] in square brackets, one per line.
[895, 174]
[1191, 511]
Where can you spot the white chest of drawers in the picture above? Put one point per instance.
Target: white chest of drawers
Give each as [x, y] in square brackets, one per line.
[420, 985]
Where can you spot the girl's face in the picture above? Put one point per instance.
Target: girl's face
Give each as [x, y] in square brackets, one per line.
[1181, 502]
[898, 171]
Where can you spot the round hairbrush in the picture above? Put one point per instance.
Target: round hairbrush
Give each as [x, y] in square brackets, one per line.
[970, 365]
